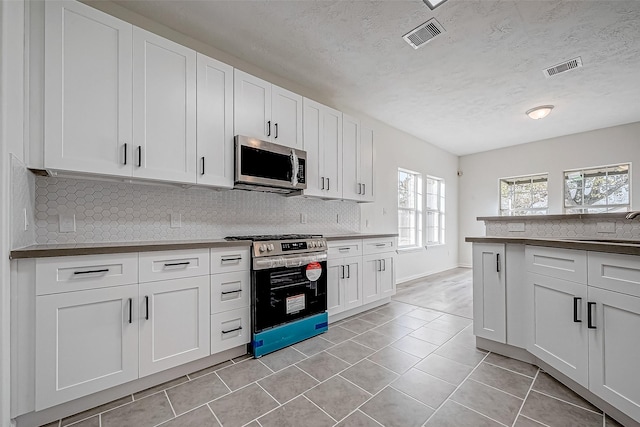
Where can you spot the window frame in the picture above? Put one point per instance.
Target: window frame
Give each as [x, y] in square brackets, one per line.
[514, 179]
[439, 210]
[418, 209]
[584, 209]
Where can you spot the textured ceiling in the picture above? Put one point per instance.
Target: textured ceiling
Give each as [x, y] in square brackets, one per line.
[467, 90]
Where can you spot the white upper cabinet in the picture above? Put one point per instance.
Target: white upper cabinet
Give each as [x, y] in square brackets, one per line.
[357, 166]
[323, 144]
[266, 111]
[88, 122]
[164, 109]
[215, 122]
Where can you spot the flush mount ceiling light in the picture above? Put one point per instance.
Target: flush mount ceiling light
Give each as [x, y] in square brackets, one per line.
[539, 112]
[433, 3]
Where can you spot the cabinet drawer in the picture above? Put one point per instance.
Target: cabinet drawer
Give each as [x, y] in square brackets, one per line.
[225, 260]
[230, 291]
[344, 248]
[230, 329]
[567, 264]
[615, 272]
[173, 264]
[374, 246]
[65, 274]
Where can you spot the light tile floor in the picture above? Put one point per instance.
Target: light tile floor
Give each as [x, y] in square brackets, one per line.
[398, 365]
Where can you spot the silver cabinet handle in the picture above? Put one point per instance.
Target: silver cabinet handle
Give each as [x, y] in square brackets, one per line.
[364, 189]
[384, 265]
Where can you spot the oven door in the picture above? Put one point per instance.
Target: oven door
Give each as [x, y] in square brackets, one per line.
[284, 294]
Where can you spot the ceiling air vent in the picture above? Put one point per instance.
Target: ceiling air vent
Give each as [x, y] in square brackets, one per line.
[424, 33]
[569, 65]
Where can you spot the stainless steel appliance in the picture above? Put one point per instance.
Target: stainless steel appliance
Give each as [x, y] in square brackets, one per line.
[263, 166]
[288, 290]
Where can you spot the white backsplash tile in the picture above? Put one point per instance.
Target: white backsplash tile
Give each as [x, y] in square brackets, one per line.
[566, 228]
[111, 212]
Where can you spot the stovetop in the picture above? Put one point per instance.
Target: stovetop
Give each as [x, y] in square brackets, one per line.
[266, 237]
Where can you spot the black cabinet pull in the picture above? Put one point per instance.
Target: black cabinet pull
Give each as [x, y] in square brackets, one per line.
[125, 153]
[590, 324]
[202, 166]
[328, 185]
[130, 310]
[359, 188]
[348, 271]
[146, 307]
[269, 128]
[498, 263]
[139, 156]
[378, 265]
[364, 189]
[276, 126]
[576, 301]
[384, 265]
[173, 264]
[103, 270]
[232, 330]
[342, 273]
[322, 183]
[239, 258]
[230, 292]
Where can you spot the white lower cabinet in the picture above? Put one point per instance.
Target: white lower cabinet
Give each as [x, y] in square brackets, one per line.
[378, 278]
[489, 291]
[174, 323]
[86, 341]
[230, 329]
[344, 284]
[558, 333]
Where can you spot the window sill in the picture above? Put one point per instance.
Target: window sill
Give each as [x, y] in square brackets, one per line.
[411, 249]
[434, 245]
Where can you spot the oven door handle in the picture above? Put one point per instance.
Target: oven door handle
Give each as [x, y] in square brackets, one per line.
[288, 261]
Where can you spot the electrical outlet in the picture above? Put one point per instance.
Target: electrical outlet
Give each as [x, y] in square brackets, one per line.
[606, 227]
[176, 220]
[366, 223]
[338, 218]
[26, 219]
[303, 218]
[67, 222]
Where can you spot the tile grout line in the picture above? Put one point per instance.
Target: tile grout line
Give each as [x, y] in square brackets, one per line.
[170, 404]
[569, 403]
[317, 406]
[479, 413]
[496, 388]
[411, 397]
[457, 387]
[214, 414]
[529, 418]
[224, 383]
[511, 370]
[526, 396]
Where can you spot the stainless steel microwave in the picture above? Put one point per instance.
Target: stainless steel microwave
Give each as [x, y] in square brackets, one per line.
[264, 166]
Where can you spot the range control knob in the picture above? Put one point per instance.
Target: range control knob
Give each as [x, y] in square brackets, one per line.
[270, 247]
[319, 244]
[312, 244]
[262, 248]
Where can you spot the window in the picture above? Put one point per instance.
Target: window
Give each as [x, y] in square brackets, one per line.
[524, 195]
[435, 211]
[601, 189]
[409, 209]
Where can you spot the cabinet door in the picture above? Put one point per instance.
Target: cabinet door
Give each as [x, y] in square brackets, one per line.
[558, 333]
[86, 341]
[335, 287]
[215, 122]
[352, 283]
[174, 323]
[351, 186]
[331, 147]
[366, 164]
[286, 117]
[87, 98]
[312, 136]
[614, 349]
[164, 113]
[252, 106]
[489, 292]
[371, 267]
[387, 276]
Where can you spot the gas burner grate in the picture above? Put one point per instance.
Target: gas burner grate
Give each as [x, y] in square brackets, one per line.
[266, 237]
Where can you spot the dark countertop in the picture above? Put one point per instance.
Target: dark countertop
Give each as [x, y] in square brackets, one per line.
[629, 247]
[521, 218]
[73, 249]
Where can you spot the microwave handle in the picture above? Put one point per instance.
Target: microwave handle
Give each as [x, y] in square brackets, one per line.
[294, 168]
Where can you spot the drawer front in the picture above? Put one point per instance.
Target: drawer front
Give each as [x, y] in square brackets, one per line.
[230, 291]
[230, 329]
[374, 246]
[75, 273]
[566, 264]
[344, 248]
[173, 264]
[615, 272]
[226, 260]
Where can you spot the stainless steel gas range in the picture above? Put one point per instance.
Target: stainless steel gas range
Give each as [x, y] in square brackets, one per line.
[288, 289]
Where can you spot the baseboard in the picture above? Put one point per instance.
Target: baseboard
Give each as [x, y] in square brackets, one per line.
[465, 265]
[416, 277]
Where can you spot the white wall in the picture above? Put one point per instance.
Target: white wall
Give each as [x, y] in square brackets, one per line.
[396, 149]
[479, 192]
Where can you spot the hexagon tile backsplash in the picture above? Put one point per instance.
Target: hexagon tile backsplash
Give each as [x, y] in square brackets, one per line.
[567, 228]
[117, 212]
